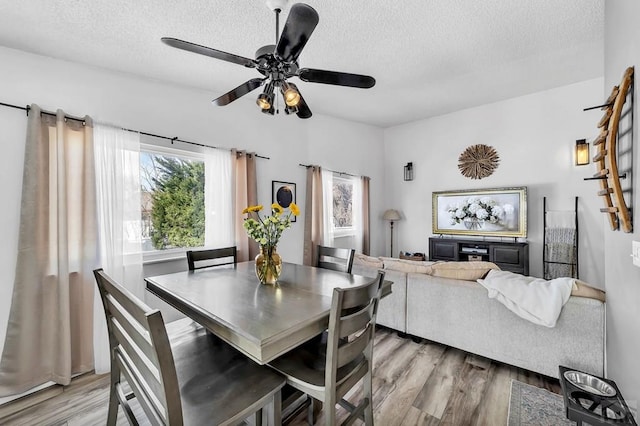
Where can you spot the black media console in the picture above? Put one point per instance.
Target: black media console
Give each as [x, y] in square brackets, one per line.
[509, 256]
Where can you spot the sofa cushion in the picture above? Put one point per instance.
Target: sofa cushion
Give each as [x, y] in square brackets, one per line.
[364, 260]
[408, 266]
[468, 271]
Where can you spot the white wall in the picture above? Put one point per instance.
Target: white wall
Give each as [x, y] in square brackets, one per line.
[622, 50]
[534, 136]
[154, 107]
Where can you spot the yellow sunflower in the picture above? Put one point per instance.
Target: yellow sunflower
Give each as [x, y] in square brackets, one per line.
[294, 209]
[277, 208]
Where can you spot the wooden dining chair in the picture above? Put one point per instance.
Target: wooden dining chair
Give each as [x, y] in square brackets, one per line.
[337, 259]
[200, 380]
[211, 257]
[349, 353]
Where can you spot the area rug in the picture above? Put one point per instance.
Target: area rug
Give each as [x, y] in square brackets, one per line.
[529, 405]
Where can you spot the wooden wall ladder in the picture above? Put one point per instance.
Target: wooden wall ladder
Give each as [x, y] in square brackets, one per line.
[606, 157]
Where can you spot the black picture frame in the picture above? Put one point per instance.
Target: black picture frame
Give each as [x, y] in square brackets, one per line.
[281, 192]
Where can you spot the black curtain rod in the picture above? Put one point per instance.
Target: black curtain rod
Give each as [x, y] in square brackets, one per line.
[53, 114]
[332, 171]
[174, 139]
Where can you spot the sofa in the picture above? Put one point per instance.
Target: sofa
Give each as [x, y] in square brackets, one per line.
[451, 308]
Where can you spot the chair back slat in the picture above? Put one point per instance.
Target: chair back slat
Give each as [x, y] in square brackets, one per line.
[211, 257]
[336, 259]
[131, 327]
[346, 383]
[354, 349]
[355, 321]
[144, 366]
[359, 296]
[134, 307]
[152, 408]
[140, 351]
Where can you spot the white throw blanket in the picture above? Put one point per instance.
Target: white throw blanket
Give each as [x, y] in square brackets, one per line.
[534, 299]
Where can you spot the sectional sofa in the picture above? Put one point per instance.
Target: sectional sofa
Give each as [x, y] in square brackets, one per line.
[451, 308]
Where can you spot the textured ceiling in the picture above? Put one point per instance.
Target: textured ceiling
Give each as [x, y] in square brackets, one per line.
[429, 57]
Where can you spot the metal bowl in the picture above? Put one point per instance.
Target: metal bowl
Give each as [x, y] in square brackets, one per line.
[589, 383]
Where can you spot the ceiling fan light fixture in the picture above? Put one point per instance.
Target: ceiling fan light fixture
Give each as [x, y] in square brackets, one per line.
[265, 101]
[290, 94]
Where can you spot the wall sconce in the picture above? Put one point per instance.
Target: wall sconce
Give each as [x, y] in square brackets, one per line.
[582, 152]
[408, 171]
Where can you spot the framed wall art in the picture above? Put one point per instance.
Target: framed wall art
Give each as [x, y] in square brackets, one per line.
[284, 193]
[500, 212]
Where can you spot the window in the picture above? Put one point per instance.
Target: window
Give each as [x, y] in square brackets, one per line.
[342, 210]
[342, 190]
[172, 199]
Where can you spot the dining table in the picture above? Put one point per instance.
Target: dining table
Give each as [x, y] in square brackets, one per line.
[261, 321]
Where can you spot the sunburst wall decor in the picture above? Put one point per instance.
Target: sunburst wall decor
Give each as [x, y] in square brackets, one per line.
[478, 161]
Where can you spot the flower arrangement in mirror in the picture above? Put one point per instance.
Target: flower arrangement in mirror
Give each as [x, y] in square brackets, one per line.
[266, 231]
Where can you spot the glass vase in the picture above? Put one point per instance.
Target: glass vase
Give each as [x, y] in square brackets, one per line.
[268, 265]
[473, 223]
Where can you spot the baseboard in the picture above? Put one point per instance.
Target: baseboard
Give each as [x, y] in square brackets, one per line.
[24, 402]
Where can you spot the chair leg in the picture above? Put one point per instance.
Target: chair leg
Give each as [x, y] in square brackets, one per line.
[112, 415]
[310, 418]
[258, 417]
[330, 412]
[277, 408]
[368, 391]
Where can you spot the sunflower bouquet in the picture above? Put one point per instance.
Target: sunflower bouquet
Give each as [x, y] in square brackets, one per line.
[266, 231]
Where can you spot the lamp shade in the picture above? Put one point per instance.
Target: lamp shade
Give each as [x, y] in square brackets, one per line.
[391, 215]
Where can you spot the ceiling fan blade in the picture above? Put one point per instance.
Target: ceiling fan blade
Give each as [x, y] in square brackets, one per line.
[207, 51]
[303, 108]
[301, 22]
[239, 91]
[338, 78]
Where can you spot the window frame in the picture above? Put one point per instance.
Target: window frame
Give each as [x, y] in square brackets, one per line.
[343, 231]
[195, 153]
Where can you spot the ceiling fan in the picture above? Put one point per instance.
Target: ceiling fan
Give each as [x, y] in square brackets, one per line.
[279, 62]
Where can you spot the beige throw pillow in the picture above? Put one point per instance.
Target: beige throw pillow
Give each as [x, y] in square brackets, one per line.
[468, 271]
[582, 289]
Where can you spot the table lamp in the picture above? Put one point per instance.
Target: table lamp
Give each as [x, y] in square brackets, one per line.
[391, 215]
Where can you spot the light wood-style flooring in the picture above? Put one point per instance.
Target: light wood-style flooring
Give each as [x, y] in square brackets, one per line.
[422, 383]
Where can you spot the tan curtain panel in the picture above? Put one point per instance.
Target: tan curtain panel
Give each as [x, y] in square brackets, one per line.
[49, 335]
[313, 215]
[366, 216]
[246, 194]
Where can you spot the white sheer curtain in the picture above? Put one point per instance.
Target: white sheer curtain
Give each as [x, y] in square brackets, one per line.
[117, 162]
[327, 212]
[218, 199]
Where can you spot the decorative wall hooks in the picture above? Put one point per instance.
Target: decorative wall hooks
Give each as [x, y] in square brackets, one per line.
[478, 161]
